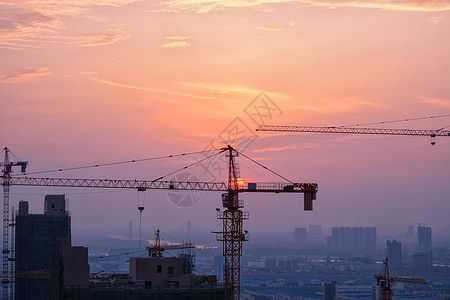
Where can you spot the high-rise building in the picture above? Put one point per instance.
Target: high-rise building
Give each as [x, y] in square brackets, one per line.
[315, 230]
[424, 235]
[410, 232]
[219, 265]
[394, 254]
[330, 291]
[423, 260]
[42, 246]
[377, 292]
[301, 236]
[370, 239]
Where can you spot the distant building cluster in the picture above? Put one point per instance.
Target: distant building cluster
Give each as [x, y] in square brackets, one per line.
[353, 239]
[422, 259]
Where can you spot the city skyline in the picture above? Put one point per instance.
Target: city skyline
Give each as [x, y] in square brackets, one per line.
[97, 82]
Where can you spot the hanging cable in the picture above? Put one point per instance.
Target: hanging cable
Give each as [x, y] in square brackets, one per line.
[443, 128]
[396, 121]
[190, 165]
[119, 162]
[114, 255]
[253, 170]
[109, 268]
[174, 238]
[261, 165]
[220, 224]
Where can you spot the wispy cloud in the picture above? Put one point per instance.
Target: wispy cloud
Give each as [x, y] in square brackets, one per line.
[115, 33]
[28, 24]
[436, 20]
[401, 5]
[20, 27]
[23, 74]
[176, 42]
[440, 102]
[176, 45]
[335, 105]
[139, 88]
[275, 149]
[205, 6]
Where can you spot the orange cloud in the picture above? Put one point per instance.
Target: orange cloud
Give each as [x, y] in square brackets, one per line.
[401, 5]
[334, 105]
[204, 6]
[275, 149]
[436, 20]
[35, 24]
[23, 74]
[20, 27]
[176, 42]
[176, 45]
[140, 88]
[440, 102]
[113, 34]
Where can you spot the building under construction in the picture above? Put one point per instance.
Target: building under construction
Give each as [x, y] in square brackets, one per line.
[44, 255]
[49, 267]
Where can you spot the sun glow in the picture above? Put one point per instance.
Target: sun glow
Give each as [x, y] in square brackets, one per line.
[240, 183]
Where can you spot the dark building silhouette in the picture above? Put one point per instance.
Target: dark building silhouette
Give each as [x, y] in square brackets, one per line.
[45, 260]
[394, 254]
[219, 264]
[423, 260]
[330, 291]
[424, 235]
[301, 236]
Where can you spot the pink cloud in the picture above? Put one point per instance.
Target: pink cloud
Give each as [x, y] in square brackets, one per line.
[401, 5]
[440, 102]
[23, 74]
[206, 6]
[275, 149]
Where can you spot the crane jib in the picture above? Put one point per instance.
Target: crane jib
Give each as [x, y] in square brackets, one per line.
[355, 130]
[263, 187]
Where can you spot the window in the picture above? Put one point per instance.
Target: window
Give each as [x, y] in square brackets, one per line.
[170, 270]
[53, 205]
[159, 269]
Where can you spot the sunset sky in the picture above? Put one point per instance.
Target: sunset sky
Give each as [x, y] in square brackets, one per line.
[96, 81]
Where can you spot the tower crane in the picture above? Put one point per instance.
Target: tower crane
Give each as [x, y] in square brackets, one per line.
[157, 249]
[384, 281]
[356, 130]
[6, 177]
[232, 234]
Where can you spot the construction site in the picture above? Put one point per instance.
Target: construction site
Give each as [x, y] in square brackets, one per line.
[40, 262]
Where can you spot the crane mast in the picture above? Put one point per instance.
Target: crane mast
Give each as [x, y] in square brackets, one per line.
[232, 234]
[6, 178]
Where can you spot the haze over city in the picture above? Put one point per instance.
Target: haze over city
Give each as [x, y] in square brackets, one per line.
[92, 82]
